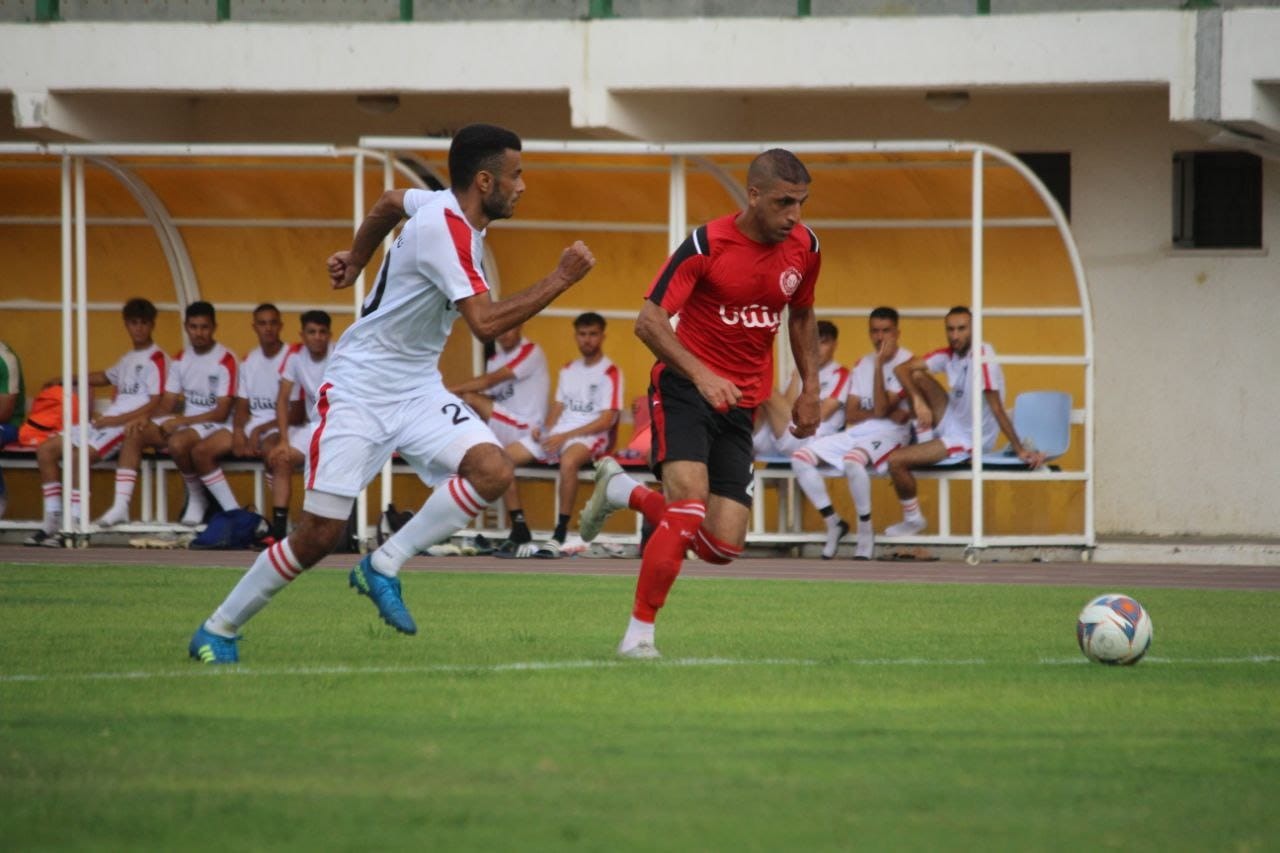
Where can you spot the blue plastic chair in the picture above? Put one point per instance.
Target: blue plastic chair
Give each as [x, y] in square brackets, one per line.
[1043, 417]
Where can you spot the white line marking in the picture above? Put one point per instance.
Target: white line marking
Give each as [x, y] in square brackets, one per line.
[553, 665]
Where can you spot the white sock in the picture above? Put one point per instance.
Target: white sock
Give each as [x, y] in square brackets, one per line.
[923, 435]
[75, 506]
[216, 482]
[619, 488]
[270, 573]
[449, 509]
[637, 632]
[810, 481]
[855, 471]
[52, 506]
[911, 509]
[126, 479]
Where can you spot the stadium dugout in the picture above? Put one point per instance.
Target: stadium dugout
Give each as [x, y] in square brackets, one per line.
[918, 225]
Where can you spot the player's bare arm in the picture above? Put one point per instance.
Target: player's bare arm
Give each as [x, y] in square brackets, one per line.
[906, 373]
[488, 318]
[653, 328]
[282, 407]
[345, 266]
[124, 418]
[1033, 458]
[483, 383]
[802, 326]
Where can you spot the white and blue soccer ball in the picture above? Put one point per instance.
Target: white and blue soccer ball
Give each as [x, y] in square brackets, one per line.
[1114, 629]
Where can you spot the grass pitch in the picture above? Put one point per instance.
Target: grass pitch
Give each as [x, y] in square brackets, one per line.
[785, 716]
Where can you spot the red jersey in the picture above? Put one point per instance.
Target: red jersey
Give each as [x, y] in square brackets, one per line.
[729, 291]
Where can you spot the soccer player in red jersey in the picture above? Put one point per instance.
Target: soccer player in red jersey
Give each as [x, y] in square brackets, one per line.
[728, 283]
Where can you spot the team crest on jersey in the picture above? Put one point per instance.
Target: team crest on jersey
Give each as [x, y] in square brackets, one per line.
[213, 384]
[789, 281]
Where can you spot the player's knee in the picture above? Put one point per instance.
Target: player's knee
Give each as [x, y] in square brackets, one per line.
[710, 549]
[803, 459]
[488, 470]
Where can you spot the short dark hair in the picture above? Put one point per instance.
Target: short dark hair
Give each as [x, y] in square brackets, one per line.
[201, 309]
[478, 148]
[884, 312]
[960, 309]
[589, 318]
[777, 164]
[317, 317]
[265, 306]
[828, 329]
[139, 309]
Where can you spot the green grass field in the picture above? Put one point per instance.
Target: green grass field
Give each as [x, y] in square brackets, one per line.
[785, 716]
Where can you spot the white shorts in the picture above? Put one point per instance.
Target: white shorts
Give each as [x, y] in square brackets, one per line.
[765, 443]
[204, 430]
[510, 427]
[105, 442]
[957, 436]
[874, 438]
[597, 443]
[300, 437]
[356, 435]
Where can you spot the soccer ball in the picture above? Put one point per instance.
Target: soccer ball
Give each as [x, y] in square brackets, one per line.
[1114, 629]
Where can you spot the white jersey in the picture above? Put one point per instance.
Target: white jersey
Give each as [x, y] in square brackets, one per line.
[862, 388]
[587, 391]
[525, 394]
[306, 374]
[833, 384]
[138, 376]
[958, 419]
[393, 350]
[202, 379]
[260, 384]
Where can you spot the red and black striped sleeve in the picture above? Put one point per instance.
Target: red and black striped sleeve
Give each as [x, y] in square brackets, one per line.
[683, 269]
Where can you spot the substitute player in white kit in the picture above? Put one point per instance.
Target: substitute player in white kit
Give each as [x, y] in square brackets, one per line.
[579, 428]
[301, 376]
[877, 424]
[512, 393]
[950, 411]
[774, 436]
[383, 392]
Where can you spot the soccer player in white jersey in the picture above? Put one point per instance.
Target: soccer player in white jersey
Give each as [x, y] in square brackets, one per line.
[579, 426]
[877, 415]
[512, 393]
[203, 379]
[932, 405]
[253, 415]
[383, 392]
[138, 378]
[301, 375]
[774, 436]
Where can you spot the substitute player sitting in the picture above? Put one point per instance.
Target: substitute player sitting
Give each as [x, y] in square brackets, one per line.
[579, 427]
[774, 436]
[286, 449]
[253, 415]
[729, 282]
[877, 425]
[512, 393]
[138, 378]
[203, 380]
[932, 405]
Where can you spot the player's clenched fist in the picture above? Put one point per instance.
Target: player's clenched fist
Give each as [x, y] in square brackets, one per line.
[575, 262]
[343, 271]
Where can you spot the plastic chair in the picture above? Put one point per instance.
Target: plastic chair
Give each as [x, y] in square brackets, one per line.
[1040, 418]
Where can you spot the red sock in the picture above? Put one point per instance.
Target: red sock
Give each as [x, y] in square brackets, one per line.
[712, 550]
[648, 503]
[664, 555]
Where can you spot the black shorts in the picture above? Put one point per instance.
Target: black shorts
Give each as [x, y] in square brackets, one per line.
[687, 429]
